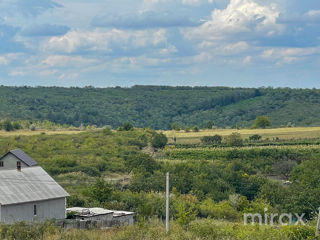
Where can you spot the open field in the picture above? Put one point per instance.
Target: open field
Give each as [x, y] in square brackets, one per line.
[281, 133]
[37, 132]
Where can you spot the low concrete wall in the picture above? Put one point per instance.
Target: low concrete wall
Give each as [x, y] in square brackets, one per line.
[117, 221]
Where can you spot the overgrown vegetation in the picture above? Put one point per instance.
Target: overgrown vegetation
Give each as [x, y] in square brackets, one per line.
[221, 179]
[155, 230]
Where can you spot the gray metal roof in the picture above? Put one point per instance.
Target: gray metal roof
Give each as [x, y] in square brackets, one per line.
[29, 185]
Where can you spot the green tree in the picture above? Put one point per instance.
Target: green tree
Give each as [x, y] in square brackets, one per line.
[7, 125]
[195, 129]
[126, 127]
[159, 140]
[100, 191]
[175, 126]
[261, 122]
[209, 124]
[234, 140]
[185, 211]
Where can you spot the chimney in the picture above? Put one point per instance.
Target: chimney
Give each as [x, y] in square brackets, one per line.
[7, 150]
[19, 166]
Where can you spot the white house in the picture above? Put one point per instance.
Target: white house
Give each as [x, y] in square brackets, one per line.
[27, 192]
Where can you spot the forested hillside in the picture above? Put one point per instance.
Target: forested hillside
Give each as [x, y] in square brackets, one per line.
[158, 107]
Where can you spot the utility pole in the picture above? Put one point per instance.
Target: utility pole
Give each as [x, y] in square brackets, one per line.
[167, 204]
[318, 224]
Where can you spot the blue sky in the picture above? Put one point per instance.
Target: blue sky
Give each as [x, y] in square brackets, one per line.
[246, 43]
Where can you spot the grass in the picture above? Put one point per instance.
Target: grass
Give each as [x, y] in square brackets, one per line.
[37, 132]
[281, 133]
[155, 230]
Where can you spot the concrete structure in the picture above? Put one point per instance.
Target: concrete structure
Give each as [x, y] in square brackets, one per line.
[122, 218]
[95, 214]
[16, 159]
[28, 193]
[102, 217]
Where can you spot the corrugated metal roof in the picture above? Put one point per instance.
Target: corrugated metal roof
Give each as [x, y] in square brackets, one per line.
[24, 157]
[29, 185]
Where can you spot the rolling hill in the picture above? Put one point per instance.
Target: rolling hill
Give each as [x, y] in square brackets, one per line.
[159, 106]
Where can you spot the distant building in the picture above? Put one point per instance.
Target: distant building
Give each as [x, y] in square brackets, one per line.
[16, 159]
[27, 192]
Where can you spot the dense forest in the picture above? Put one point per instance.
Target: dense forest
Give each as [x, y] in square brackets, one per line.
[160, 106]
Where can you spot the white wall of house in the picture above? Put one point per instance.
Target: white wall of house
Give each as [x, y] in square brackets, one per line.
[46, 210]
[10, 162]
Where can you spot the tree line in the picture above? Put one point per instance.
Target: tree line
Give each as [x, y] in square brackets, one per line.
[160, 107]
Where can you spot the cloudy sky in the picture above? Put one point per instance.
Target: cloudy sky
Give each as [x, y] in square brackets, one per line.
[102, 43]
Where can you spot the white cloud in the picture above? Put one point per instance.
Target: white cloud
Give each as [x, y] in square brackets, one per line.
[3, 60]
[68, 76]
[233, 48]
[247, 60]
[61, 60]
[47, 72]
[106, 40]
[240, 16]
[289, 55]
[17, 73]
[196, 2]
[313, 13]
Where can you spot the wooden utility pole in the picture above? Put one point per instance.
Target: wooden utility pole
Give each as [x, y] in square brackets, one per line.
[167, 204]
[318, 224]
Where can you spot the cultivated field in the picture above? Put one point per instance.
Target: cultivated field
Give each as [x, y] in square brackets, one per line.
[183, 137]
[37, 132]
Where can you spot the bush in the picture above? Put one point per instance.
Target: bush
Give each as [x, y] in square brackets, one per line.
[255, 137]
[195, 129]
[107, 131]
[7, 125]
[216, 139]
[221, 210]
[126, 127]
[159, 140]
[234, 140]
[261, 122]
[299, 232]
[100, 191]
[175, 126]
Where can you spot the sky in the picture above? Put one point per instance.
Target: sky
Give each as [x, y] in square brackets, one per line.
[236, 43]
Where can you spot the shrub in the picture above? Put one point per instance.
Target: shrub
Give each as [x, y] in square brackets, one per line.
[221, 210]
[195, 129]
[216, 139]
[261, 122]
[159, 140]
[126, 127]
[255, 137]
[107, 131]
[234, 140]
[175, 126]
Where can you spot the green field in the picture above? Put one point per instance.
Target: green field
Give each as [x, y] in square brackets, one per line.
[37, 132]
[183, 137]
